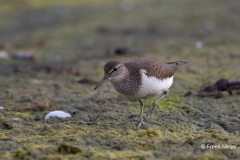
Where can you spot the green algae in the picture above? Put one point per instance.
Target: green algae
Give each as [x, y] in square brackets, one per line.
[22, 114]
[169, 102]
[67, 149]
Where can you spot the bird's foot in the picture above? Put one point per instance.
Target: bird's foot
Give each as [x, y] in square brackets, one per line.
[141, 123]
[149, 114]
[146, 118]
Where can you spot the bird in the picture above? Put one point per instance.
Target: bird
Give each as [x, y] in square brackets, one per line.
[141, 78]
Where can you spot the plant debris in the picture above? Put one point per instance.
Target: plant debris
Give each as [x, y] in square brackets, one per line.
[218, 90]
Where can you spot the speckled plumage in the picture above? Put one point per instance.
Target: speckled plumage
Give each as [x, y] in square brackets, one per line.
[140, 78]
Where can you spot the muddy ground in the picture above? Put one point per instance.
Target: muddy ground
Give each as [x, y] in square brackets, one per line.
[70, 41]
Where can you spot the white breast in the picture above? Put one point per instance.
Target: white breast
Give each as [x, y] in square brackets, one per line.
[152, 86]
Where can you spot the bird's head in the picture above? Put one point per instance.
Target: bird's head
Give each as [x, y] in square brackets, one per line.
[114, 71]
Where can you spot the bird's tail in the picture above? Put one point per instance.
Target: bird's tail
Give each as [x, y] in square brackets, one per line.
[177, 64]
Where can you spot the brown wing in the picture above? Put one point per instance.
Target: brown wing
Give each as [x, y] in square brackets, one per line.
[160, 70]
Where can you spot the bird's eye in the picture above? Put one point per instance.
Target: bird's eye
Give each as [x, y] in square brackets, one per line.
[115, 69]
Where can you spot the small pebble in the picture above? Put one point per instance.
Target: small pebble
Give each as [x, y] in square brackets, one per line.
[4, 55]
[199, 44]
[209, 26]
[1, 108]
[58, 57]
[37, 118]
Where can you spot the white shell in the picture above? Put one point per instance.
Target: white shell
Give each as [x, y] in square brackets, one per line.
[57, 113]
[152, 86]
[16, 119]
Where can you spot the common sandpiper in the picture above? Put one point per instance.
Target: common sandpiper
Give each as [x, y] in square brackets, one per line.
[141, 79]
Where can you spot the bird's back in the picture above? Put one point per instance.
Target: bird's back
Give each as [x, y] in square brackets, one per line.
[160, 70]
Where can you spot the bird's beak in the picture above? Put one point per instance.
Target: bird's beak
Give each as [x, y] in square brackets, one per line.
[104, 78]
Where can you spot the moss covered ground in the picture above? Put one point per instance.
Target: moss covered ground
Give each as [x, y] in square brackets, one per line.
[71, 40]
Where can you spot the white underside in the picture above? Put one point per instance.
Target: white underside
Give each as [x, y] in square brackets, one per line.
[152, 86]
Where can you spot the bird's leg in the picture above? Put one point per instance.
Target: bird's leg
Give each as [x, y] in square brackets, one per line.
[165, 93]
[141, 117]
